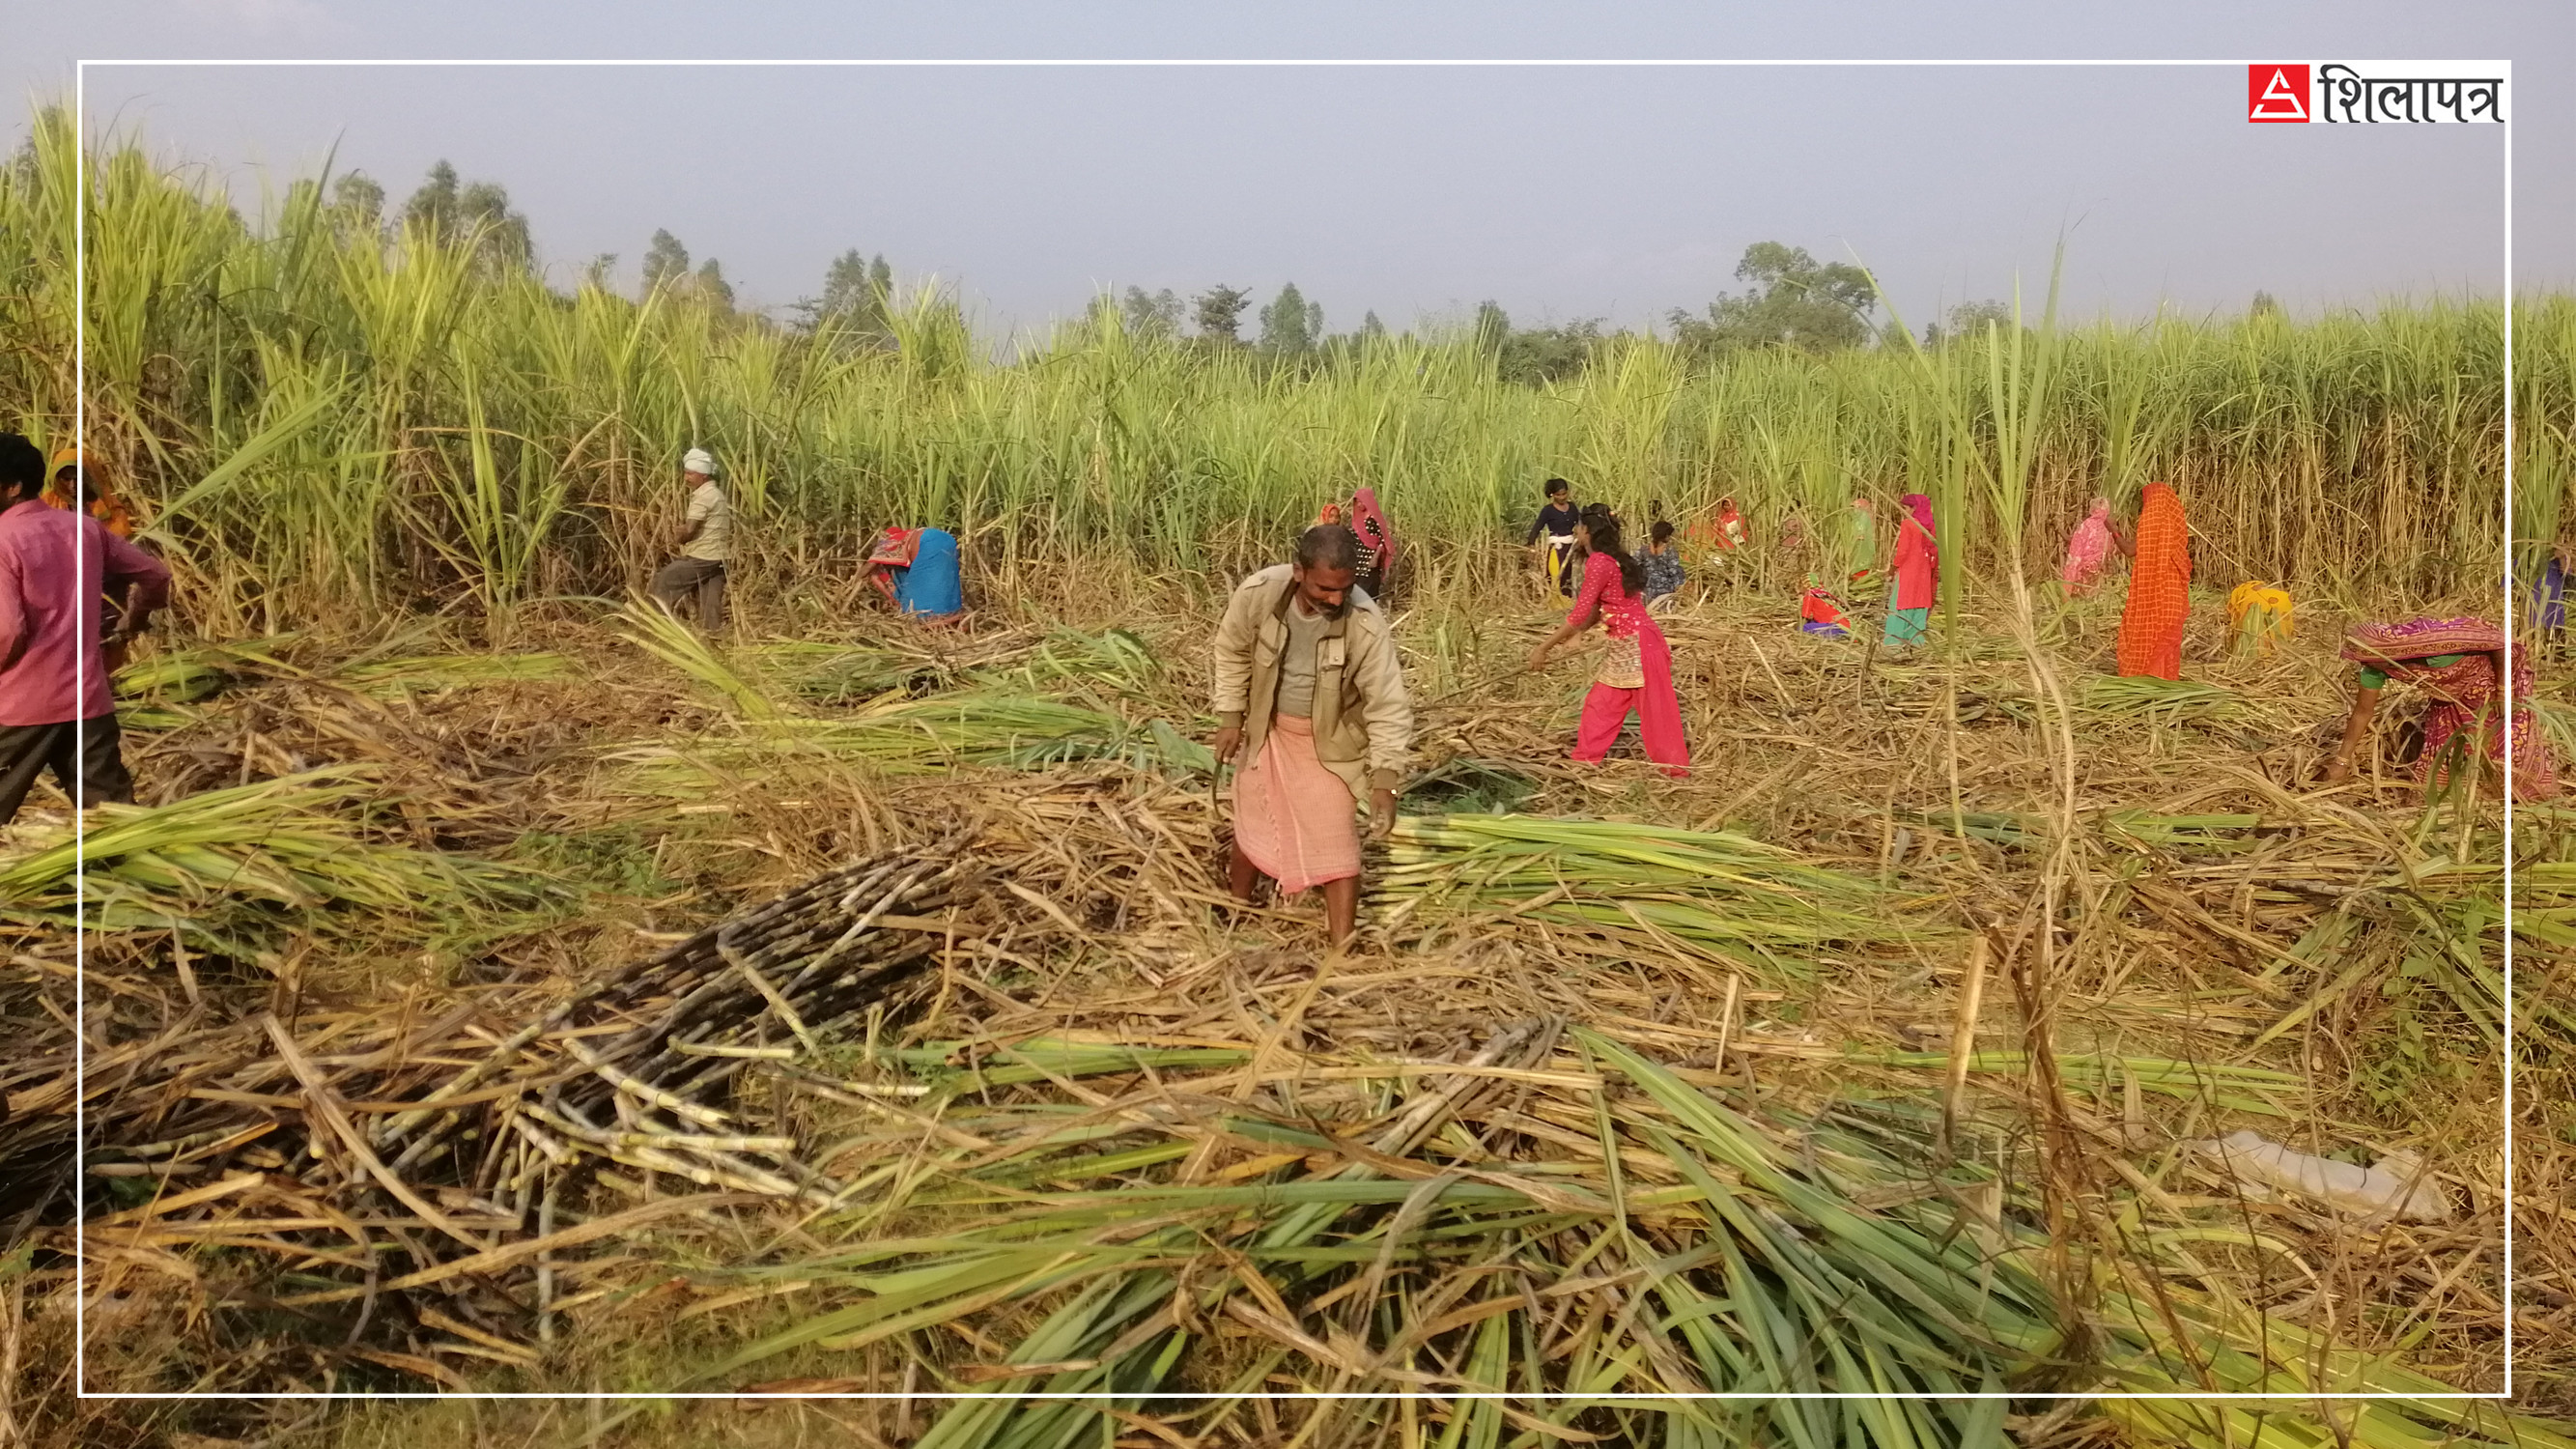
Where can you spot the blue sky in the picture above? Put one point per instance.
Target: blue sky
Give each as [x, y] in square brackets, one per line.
[1413, 192]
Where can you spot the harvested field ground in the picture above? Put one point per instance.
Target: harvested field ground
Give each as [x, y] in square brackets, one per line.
[424, 1060]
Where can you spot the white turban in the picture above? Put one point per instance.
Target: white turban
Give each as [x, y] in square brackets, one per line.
[696, 461]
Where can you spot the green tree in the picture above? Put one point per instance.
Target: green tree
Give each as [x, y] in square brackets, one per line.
[1218, 313]
[1794, 301]
[1493, 327]
[434, 205]
[711, 286]
[357, 205]
[1371, 327]
[855, 287]
[1156, 317]
[595, 276]
[858, 293]
[1290, 325]
[1549, 354]
[502, 237]
[666, 263]
[2265, 305]
[454, 211]
[1969, 320]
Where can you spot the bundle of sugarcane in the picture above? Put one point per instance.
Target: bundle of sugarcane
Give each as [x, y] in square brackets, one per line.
[228, 867]
[1061, 657]
[378, 1125]
[1979, 699]
[432, 673]
[923, 736]
[2237, 1088]
[2140, 696]
[2128, 827]
[830, 673]
[2557, 720]
[1641, 887]
[758, 989]
[2223, 832]
[1521, 1228]
[2450, 923]
[156, 692]
[987, 727]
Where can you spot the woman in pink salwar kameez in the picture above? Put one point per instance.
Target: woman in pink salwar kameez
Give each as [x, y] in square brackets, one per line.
[1636, 671]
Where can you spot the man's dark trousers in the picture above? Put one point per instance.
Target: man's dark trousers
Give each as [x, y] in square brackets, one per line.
[26, 751]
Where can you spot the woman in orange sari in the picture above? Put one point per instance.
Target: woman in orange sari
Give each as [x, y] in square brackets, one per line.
[2159, 588]
[71, 481]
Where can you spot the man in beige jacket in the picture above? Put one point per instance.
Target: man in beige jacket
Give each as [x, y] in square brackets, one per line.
[1309, 691]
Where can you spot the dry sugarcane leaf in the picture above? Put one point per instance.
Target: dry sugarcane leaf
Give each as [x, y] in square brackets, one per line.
[510, 1254]
[414, 1365]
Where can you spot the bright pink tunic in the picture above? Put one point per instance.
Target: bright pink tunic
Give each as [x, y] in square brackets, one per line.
[50, 670]
[1636, 643]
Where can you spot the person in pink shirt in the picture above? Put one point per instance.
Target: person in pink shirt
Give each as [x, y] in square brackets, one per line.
[57, 568]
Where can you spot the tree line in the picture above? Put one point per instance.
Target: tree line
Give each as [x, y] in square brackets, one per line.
[1791, 301]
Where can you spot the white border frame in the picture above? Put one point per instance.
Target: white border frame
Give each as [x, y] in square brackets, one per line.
[80, 384]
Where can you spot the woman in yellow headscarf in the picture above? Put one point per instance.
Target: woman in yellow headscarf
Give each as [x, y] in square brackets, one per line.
[72, 481]
[2258, 619]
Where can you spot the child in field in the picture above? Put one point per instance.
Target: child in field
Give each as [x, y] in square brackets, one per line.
[1918, 572]
[1556, 526]
[2088, 550]
[1663, 566]
[1376, 574]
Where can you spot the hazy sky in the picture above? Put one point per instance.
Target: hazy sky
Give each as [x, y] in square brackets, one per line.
[1560, 192]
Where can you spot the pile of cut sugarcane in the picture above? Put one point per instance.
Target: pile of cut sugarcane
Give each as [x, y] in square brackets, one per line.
[694, 1017]
[445, 1146]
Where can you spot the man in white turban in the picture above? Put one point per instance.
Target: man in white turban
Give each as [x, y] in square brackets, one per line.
[704, 544]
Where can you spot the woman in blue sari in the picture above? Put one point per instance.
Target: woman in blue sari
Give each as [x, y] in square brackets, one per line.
[916, 569]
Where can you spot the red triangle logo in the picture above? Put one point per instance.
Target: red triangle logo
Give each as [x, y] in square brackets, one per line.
[2276, 93]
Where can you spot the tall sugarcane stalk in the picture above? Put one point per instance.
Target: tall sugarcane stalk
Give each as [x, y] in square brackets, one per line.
[333, 369]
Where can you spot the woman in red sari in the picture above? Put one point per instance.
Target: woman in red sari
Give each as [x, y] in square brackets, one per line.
[1636, 671]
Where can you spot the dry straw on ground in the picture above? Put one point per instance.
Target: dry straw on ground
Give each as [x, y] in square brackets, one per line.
[948, 1069]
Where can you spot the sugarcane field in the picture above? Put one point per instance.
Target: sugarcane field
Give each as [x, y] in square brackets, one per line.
[750, 884]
